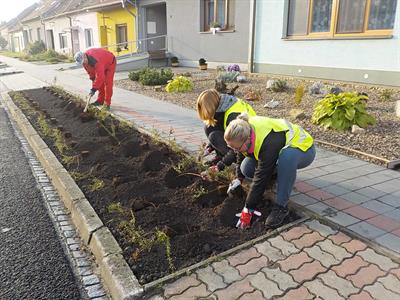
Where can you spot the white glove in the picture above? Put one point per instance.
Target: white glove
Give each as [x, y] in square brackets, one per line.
[233, 185]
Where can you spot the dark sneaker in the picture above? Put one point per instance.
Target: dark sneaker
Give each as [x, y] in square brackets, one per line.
[106, 107]
[97, 103]
[276, 216]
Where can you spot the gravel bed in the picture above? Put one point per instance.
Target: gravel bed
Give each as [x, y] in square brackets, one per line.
[381, 140]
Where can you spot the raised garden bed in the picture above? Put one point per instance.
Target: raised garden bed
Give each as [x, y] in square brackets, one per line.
[380, 140]
[162, 214]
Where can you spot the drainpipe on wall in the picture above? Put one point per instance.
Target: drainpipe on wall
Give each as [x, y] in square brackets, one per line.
[44, 32]
[134, 16]
[72, 38]
[252, 25]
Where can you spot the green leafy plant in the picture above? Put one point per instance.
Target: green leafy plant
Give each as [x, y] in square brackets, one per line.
[214, 24]
[155, 77]
[298, 96]
[279, 86]
[342, 111]
[200, 191]
[36, 48]
[174, 59]
[135, 75]
[386, 95]
[96, 184]
[180, 84]
[3, 42]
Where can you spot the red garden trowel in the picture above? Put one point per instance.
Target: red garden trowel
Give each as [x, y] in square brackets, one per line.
[87, 103]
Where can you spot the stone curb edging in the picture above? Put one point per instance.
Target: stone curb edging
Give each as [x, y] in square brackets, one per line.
[118, 277]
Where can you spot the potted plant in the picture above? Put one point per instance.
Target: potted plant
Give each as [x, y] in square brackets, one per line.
[174, 61]
[202, 64]
[215, 27]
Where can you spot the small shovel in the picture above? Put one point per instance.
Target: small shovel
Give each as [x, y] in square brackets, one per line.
[87, 103]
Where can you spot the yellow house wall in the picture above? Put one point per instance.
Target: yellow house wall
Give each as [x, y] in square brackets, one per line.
[110, 19]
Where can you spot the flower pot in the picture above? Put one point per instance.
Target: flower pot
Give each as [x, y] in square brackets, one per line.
[175, 64]
[203, 67]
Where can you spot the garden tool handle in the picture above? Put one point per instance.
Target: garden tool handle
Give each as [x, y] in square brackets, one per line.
[87, 103]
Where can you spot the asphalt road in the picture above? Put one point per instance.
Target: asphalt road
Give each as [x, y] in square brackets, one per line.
[32, 262]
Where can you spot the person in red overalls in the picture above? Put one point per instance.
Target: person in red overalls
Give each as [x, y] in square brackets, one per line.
[100, 65]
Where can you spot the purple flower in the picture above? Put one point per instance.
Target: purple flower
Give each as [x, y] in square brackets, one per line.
[234, 68]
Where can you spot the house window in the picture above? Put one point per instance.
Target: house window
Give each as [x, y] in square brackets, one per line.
[122, 36]
[38, 34]
[340, 18]
[89, 38]
[216, 12]
[63, 40]
[30, 35]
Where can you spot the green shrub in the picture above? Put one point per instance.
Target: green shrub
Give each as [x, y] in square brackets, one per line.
[298, 96]
[386, 95]
[279, 86]
[36, 48]
[180, 84]
[342, 111]
[228, 76]
[154, 77]
[135, 75]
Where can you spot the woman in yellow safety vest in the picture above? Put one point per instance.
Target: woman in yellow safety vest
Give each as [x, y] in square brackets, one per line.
[262, 144]
[217, 111]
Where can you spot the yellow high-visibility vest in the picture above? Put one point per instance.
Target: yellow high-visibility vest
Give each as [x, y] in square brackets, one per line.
[239, 107]
[296, 136]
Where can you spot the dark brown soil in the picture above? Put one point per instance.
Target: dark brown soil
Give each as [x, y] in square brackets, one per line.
[139, 174]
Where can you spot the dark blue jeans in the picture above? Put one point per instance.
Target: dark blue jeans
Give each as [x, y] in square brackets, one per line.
[290, 159]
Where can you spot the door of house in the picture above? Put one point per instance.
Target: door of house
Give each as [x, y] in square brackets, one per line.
[156, 25]
[50, 39]
[75, 41]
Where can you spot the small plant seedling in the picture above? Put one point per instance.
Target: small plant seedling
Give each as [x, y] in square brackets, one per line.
[298, 96]
[200, 191]
[96, 184]
[386, 95]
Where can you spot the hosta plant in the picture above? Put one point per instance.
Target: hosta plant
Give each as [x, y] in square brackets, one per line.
[180, 84]
[342, 111]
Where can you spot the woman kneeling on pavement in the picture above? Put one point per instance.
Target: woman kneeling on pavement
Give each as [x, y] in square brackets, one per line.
[262, 144]
[217, 111]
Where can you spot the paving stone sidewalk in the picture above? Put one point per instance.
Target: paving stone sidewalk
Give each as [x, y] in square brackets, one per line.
[309, 261]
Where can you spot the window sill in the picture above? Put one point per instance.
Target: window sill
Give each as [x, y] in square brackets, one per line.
[218, 32]
[354, 37]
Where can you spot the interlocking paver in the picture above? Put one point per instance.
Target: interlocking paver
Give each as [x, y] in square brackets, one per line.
[378, 291]
[338, 252]
[178, 286]
[360, 212]
[325, 258]
[390, 241]
[391, 200]
[361, 296]
[370, 192]
[365, 276]
[322, 209]
[265, 285]
[394, 214]
[320, 195]
[339, 238]
[391, 282]
[294, 261]
[344, 287]
[339, 203]
[299, 293]
[235, 290]
[256, 295]
[295, 232]
[354, 245]
[321, 290]
[243, 256]
[283, 279]
[342, 218]
[384, 223]
[350, 266]
[210, 278]
[308, 240]
[286, 247]
[307, 271]
[336, 190]
[192, 293]
[377, 206]
[355, 198]
[252, 266]
[272, 253]
[304, 187]
[229, 273]
[320, 228]
[366, 230]
[302, 199]
[390, 186]
[396, 272]
[383, 262]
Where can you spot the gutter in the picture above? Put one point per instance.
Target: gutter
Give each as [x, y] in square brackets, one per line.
[252, 26]
[72, 38]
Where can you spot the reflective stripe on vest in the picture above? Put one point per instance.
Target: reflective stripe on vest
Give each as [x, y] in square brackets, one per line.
[239, 107]
[296, 137]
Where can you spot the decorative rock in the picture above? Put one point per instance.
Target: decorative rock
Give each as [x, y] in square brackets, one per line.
[272, 104]
[158, 88]
[53, 120]
[85, 153]
[356, 129]
[297, 114]
[241, 79]
[270, 82]
[335, 90]
[398, 108]
[316, 88]
[252, 96]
